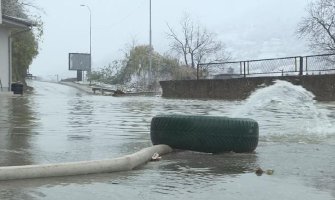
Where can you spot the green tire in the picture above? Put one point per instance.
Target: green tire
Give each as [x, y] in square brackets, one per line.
[205, 133]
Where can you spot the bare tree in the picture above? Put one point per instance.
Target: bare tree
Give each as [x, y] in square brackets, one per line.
[196, 44]
[319, 25]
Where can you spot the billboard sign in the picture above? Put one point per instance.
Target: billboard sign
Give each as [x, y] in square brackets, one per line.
[80, 61]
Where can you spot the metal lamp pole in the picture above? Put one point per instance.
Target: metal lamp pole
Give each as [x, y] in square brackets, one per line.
[150, 43]
[83, 5]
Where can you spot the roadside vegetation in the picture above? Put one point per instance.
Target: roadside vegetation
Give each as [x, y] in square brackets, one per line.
[133, 70]
[25, 44]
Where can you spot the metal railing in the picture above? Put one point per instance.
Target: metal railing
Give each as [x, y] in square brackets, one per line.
[286, 66]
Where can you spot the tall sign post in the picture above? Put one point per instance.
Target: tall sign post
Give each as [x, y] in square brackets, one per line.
[80, 62]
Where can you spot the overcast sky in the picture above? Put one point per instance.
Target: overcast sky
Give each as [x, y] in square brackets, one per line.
[250, 28]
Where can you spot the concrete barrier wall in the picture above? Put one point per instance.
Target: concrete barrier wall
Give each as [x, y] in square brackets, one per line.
[322, 86]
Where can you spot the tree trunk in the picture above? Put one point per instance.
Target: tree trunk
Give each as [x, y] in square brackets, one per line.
[185, 58]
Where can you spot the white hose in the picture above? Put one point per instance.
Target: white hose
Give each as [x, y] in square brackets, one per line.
[124, 163]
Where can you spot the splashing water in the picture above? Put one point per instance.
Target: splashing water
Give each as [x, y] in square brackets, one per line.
[286, 109]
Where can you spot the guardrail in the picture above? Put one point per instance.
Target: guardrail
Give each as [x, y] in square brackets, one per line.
[286, 66]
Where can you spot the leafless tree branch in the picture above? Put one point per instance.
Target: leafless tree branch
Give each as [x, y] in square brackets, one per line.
[196, 44]
[319, 25]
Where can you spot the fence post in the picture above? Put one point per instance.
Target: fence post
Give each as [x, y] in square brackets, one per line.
[301, 69]
[241, 71]
[244, 69]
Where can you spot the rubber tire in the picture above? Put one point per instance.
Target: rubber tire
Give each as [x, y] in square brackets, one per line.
[205, 133]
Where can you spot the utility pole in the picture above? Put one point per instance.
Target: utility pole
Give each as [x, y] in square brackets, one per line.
[89, 9]
[150, 45]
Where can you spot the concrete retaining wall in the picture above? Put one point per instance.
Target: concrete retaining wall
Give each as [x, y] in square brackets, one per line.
[322, 86]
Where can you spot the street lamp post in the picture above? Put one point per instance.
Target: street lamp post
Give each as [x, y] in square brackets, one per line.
[150, 44]
[83, 5]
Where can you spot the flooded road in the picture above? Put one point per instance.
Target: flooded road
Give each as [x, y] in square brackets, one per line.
[59, 124]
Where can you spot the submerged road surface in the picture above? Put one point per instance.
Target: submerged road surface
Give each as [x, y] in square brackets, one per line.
[58, 123]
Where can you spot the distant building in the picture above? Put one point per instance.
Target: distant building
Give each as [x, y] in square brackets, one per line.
[9, 26]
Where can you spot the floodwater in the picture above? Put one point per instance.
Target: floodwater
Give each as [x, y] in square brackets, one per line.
[57, 123]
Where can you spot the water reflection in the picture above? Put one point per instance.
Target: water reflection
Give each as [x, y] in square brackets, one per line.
[214, 164]
[177, 174]
[16, 136]
[29, 189]
[185, 172]
[110, 178]
[16, 130]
